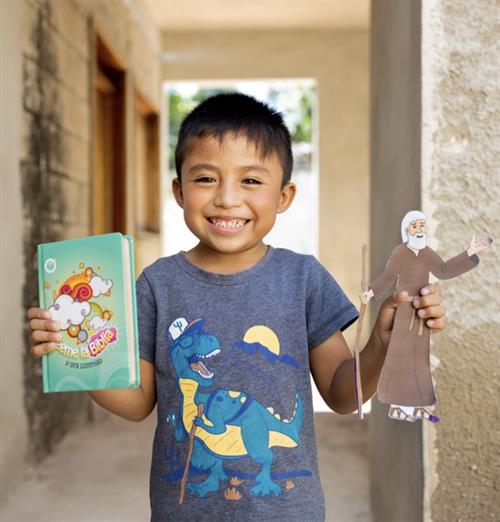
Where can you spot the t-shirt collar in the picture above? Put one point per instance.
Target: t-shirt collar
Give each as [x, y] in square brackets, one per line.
[225, 279]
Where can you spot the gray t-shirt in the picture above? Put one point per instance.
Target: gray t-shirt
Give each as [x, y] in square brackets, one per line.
[232, 368]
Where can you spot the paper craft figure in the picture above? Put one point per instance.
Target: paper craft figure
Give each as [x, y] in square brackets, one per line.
[405, 381]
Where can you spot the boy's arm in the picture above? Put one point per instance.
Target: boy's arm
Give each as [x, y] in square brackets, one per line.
[133, 404]
[331, 362]
[333, 372]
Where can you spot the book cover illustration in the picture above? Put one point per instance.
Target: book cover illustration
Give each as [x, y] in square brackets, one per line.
[88, 286]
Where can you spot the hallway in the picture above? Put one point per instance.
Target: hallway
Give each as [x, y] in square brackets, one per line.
[116, 454]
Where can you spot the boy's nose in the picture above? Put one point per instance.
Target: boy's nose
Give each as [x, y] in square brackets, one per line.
[227, 195]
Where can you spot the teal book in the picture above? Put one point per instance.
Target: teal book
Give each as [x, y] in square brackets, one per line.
[88, 284]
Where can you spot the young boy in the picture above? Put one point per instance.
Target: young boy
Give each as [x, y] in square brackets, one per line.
[230, 329]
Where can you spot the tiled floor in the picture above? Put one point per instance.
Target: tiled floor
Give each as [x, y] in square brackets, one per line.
[73, 485]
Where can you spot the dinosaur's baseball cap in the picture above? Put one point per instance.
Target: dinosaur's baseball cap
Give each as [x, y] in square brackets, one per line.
[180, 327]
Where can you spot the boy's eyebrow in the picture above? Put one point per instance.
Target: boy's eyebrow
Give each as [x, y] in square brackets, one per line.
[208, 166]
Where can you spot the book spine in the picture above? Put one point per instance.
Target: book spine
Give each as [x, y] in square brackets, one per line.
[42, 303]
[134, 308]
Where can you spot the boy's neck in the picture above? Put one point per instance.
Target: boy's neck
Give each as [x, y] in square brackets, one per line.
[225, 263]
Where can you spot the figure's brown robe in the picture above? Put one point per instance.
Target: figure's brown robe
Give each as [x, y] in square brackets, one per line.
[406, 374]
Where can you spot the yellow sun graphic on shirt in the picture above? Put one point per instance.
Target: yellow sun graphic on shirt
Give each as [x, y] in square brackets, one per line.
[263, 335]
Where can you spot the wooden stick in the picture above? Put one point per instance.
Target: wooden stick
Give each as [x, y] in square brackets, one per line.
[190, 452]
[357, 342]
[357, 368]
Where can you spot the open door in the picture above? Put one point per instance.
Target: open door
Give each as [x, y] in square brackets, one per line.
[147, 166]
[109, 174]
[147, 186]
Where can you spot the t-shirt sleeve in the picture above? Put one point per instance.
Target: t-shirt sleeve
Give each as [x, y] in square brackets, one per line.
[328, 309]
[146, 318]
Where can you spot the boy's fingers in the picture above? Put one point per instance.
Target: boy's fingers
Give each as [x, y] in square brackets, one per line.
[44, 324]
[41, 336]
[38, 313]
[427, 300]
[395, 300]
[42, 349]
[386, 313]
[432, 311]
[436, 324]
[428, 289]
[388, 309]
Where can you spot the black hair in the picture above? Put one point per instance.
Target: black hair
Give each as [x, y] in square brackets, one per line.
[239, 114]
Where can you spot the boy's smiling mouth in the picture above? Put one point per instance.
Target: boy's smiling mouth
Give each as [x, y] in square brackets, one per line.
[226, 223]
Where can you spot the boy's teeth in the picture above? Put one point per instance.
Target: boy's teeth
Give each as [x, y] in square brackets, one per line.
[235, 223]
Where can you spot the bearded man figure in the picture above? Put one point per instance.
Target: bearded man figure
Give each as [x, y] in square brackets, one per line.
[405, 381]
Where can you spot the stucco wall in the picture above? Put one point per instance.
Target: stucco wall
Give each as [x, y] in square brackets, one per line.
[460, 195]
[50, 193]
[46, 183]
[338, 60]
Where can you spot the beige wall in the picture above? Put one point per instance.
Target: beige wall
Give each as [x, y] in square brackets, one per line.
[396, 470]
[461, 195]
[13, 422]
[45, 151]
[338, 60]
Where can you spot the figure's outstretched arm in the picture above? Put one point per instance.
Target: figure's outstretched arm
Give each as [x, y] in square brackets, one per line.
[454, 267]
[385, 280]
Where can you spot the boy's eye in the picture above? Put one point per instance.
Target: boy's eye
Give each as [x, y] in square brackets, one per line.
[204, 179]
[252, 181]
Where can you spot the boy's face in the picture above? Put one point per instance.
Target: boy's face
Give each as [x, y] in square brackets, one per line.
[229, 195]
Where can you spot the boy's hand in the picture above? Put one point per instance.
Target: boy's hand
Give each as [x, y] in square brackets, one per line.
[130, 403]
[428, 306]
[44, 332]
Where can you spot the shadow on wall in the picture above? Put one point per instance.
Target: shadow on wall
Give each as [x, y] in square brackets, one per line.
[44, 210]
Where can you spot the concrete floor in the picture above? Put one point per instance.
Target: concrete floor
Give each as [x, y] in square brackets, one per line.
[100, 474]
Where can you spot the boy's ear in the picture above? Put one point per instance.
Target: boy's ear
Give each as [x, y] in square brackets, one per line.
[287, 196]
[177, 191]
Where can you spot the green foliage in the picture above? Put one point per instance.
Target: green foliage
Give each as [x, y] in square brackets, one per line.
[301, 131]
[297, 102]
[179, 108]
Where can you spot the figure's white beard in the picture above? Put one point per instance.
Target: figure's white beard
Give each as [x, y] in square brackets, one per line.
[418, 243]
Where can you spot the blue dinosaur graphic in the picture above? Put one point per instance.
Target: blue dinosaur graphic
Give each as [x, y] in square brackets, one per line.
[233, 424]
